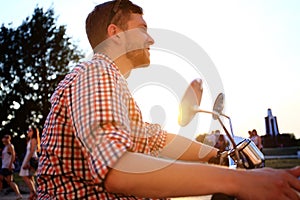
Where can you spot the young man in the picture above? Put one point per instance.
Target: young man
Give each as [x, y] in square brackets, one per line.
[95, 144]
[7, 169]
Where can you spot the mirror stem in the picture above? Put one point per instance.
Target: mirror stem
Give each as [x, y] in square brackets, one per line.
[229, 123]
[227, 133]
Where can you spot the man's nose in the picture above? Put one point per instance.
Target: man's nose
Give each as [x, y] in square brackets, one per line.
[150, 39]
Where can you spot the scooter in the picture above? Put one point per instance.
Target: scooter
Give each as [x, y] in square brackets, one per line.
[243, 153]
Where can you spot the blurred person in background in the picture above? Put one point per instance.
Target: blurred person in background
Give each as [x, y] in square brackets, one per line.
[256, 139]
[27, 170]
[7, 169]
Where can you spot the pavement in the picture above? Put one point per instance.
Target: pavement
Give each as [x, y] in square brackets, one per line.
[9, 194]
[13, 196]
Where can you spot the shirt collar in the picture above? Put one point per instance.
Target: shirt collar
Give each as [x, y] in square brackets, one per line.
[102, 56]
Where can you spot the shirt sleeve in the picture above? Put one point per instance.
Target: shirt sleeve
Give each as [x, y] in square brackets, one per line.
[100, 118]
[156, 138]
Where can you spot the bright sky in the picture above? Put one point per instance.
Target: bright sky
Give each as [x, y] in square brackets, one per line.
[254, 44]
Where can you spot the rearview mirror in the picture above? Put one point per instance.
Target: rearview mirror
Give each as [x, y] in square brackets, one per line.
[190, 102]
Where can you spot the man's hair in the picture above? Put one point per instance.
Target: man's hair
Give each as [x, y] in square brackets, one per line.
[7, 137]
[104, 14]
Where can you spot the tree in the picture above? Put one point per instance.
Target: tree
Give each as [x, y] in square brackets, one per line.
[34, 58]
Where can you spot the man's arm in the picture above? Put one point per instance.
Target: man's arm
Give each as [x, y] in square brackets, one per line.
[181, 148]
[144, 176]
[13, 155]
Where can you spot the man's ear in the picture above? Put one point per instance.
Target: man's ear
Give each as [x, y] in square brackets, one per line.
[112, 30]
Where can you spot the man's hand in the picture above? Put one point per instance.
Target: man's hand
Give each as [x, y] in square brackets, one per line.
[267, 183]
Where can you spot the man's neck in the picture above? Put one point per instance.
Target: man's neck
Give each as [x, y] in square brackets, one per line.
[124, 65]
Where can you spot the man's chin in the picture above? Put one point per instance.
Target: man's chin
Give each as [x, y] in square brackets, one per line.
[142, 65]
[139, 59]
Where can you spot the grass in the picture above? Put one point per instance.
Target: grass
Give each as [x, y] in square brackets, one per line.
[282, 163]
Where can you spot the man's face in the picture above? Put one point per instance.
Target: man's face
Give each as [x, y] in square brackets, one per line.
[138, 41]
[4, 140]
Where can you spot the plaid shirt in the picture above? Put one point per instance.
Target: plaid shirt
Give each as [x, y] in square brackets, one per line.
[93, 121]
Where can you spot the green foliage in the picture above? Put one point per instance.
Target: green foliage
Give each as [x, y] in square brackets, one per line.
[34, 57]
